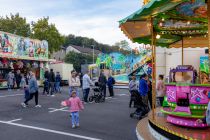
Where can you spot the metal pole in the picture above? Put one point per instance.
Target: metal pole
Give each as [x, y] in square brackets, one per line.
[93, 53]
[153, 69]
[182, 51]
[208, 13]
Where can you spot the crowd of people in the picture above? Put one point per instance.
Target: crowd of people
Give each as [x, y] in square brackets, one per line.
[51, 85]
[143, 89]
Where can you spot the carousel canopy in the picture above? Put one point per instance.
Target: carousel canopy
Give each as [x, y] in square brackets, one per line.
[173, 20]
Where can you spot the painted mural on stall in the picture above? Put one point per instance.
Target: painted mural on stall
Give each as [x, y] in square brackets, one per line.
[20, 47]
[121, 65]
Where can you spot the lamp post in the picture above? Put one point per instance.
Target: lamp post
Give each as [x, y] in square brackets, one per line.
[93, 52]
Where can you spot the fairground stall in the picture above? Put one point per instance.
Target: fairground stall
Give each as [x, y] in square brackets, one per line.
[175, 24]
[24, 54]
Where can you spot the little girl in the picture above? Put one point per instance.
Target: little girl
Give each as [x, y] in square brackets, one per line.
[75, 105]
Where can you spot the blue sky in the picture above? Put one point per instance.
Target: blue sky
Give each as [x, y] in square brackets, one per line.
[91, 18]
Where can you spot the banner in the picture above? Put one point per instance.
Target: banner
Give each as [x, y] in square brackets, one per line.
[13, 46]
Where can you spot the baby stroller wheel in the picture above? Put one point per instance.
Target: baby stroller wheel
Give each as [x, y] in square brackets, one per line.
[131, 115]
[97, 99]
[90, 99]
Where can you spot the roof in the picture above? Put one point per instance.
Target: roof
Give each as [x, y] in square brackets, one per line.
[172, 20]
[85, 49]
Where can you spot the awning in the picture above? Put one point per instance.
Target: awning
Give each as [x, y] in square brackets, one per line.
[172, 20]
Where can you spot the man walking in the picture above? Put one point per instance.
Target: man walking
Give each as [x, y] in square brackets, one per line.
[110, 83]
[18, 79]
[86, 85]
[143, 89]
[51, 82]
[102, 81]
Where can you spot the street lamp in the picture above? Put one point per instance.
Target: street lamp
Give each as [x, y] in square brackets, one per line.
[93, 52]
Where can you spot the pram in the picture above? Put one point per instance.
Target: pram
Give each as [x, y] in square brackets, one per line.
[141, 108]
[97, 95]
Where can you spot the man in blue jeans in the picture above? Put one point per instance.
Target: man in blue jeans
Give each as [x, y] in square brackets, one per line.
[86, 85]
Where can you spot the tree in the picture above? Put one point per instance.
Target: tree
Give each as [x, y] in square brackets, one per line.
[15, 24]
[123, 45]
[77, 59]
[42, 30]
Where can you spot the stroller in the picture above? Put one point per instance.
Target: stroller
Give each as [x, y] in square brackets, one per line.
[97, 94]
[141, 108]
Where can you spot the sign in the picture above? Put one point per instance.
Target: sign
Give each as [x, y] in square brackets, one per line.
[13, 46]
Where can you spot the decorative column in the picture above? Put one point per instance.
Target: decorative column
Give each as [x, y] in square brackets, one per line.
[153, 44]
[208, 13]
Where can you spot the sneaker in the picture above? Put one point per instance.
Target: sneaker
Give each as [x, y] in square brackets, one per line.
[52, 95]
[23, 105]
[73, 126]
[38, 106]
[77, 125]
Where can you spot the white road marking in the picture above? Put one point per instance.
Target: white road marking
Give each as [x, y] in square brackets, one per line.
[14, 120]
[55, 109]
[11, 95]
[49, 130]
[122, 95]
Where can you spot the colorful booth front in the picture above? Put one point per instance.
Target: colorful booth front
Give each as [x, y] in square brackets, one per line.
[24, 54]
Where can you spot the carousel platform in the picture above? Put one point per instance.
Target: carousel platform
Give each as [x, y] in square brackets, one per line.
[151, 128]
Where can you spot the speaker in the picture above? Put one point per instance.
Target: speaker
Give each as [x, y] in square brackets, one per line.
[206, 51]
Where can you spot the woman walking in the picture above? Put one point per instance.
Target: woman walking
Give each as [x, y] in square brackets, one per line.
[33, 91]
[74, 83]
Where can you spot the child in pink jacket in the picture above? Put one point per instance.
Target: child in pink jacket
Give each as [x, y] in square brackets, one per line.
[75, 105]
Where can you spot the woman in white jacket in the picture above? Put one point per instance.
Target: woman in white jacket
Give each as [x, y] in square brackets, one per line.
[74, 83]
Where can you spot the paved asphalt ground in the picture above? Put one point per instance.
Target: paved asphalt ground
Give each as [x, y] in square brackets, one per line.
[105, 121]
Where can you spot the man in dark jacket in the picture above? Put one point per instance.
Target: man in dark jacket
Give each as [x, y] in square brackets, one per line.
[51, 82]
[102, 83]
[46, 74]
[18, 79]
[110, 83]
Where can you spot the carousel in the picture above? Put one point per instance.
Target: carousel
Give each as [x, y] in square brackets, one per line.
[175, 24]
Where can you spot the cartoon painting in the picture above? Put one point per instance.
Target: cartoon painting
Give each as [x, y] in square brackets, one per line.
[194, 8]
[16, 46]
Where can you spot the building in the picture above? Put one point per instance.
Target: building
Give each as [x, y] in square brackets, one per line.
[60, 55]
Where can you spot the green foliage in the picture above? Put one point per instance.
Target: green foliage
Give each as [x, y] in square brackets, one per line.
[77, 59]
[44, 31]
[88, 42]
[15, 24]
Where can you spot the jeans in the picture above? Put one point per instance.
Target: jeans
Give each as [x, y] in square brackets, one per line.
[51, 88]
[103, 89]
[111, 90]
[36, 94]
[57, 87]
[86, 93]
[73, 89]
[75, 118]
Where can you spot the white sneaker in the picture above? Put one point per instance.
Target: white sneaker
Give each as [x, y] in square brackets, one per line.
[77, 125]
[23, 105]
[38, 106]
[73, 126]
[52, 95]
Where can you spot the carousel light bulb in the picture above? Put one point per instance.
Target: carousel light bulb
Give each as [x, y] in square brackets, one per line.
[157, 36]
[188, 23]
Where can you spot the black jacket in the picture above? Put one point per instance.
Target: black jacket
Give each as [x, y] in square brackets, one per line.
[52, 77]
